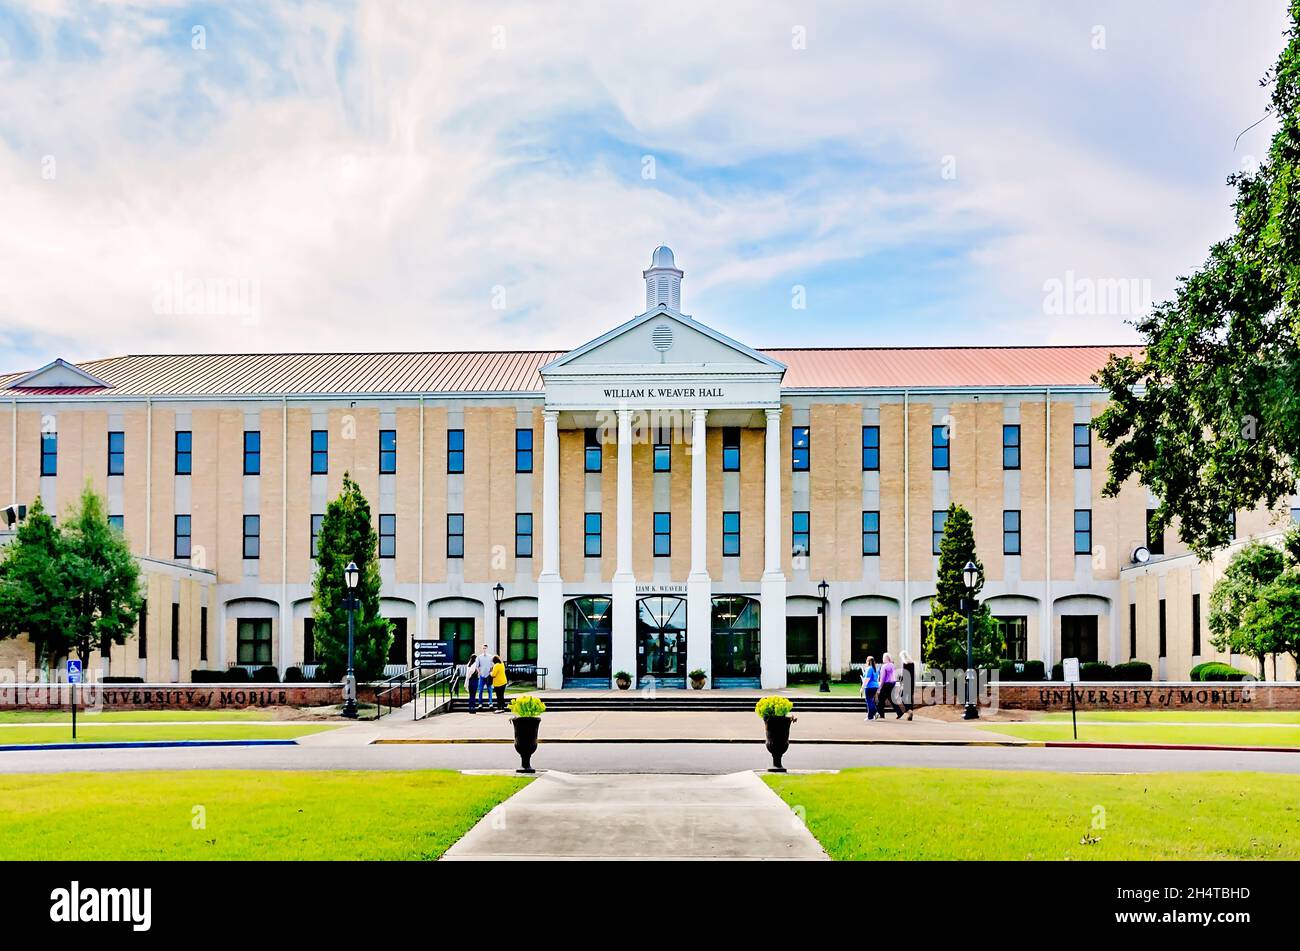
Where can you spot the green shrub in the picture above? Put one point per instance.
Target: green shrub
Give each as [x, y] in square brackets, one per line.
[1032, 670]
[266, 675]
[1058, 671]
[698, 674]
[1137, 670]
[622, 675]
[773, 707]
[235, 675]
[121, 680]
[1094, 671]
[1214, 670]
[207, 676]
[527, 706]
[294, 675]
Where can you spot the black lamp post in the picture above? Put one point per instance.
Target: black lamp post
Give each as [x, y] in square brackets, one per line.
[822, 589]
[498, 592]
[351, 575]
[970, 576]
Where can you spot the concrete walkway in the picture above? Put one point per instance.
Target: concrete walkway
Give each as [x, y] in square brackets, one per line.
[640, 816]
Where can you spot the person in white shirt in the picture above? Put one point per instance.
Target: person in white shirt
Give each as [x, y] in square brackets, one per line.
[484, 662]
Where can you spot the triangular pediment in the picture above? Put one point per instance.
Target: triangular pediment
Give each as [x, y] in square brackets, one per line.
[58, 373]
[665, 339]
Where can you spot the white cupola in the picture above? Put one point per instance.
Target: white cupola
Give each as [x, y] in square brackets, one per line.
[663, 280]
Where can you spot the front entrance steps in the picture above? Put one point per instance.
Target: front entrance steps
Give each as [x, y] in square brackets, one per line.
[715, 701]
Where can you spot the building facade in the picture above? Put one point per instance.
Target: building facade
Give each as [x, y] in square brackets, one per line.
[661, 499]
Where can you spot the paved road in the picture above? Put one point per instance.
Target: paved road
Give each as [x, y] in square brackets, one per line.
[635, 817]
[644, 758]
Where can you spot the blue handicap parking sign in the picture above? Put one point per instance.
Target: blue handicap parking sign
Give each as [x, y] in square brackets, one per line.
[74, 671]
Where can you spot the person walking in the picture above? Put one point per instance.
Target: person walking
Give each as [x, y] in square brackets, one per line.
[888, 681]
[471, 683]
[499, 682]
[909, 682]
[870, 685]
[484, 663]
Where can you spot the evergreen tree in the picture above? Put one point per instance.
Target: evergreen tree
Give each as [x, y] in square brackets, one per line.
[1252, 569]
[945, 643]
[103, 579]
[347, 533]
[34, 599]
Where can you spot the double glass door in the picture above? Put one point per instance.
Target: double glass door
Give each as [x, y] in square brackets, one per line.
[661, 638]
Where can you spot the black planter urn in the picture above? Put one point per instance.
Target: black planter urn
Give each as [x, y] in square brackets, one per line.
[526, 741]
[778, 739]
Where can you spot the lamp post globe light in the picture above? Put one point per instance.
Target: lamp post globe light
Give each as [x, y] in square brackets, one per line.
[351, 577]
[823, 589]
[498, 592]
[969, 577]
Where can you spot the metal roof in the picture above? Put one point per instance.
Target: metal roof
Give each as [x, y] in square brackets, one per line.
[515, 371]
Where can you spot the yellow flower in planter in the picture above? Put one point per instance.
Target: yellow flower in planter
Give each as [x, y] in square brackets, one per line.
[773, 707]
[527, 706]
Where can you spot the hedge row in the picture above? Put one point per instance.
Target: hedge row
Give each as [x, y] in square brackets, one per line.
[1213, 670]
[238, 675]
[1094, 671]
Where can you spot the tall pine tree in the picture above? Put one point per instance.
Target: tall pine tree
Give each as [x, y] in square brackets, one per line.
[348, 534]
[945, 643]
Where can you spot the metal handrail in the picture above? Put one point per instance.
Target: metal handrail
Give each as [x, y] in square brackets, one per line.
[384, 691]
[436, 683]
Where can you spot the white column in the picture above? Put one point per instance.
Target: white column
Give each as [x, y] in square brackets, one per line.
[623, 588]
[699, 588]
[550, 587]
[772, 588]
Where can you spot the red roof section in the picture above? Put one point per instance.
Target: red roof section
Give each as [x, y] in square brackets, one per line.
[515, 371]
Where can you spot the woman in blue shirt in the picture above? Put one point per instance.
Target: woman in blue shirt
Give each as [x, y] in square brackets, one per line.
[870, 684]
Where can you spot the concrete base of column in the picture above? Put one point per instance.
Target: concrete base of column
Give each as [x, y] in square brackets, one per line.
[550, 629]
[699, 626]
[624, 626]
[772, 631]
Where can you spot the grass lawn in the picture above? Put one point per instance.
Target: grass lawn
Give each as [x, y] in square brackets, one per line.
[128, 732]
[837, 689]
[130, 716]
[1186, 734]
[984, 814]
[1192, 716]
[267, 814]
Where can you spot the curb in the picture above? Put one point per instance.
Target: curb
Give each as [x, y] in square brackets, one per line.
[1069, 744]
[139, 744]
[438, 741]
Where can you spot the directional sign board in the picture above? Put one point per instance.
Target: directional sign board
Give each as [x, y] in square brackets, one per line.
[432, 653]
[1070, 665]
[74, 671]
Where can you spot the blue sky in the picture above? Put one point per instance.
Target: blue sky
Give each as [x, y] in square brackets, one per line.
[384, 176]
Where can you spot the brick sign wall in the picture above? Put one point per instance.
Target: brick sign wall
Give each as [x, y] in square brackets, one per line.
[179, 696]
[1151, 696]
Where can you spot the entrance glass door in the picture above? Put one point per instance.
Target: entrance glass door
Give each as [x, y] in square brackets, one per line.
[588, 630]
[735, 648]
[460, 631]
[661, 638]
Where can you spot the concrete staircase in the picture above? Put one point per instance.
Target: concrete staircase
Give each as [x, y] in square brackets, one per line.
[701, 701]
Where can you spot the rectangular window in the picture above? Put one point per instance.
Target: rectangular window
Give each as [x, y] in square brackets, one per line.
[1082, 446]
[252, 452]
[799, 534]
[455, 451]
[1079, 637]
[320, 452]
[801, 640]
[309, 640]
[49, 454]
[1196, 625]
[521, 640]
[871, 533]
[524, 535]
[730, 448]
[591, 535]
[117, 522]
[523, 450]
[184, 452]
[591, 455]
[730, 534]
[456, 535]
[1011, 447]
[203, 633]
[252, 536]
[1011, 532]
[939, 447]
[800, 449]
[397, 647]
[870, 448]
[937, 521]
[1132, 631]
[1015, 636]
[663, 541]
[388, 452]
[176, 631]
[316, 521]
[1083, 531]
[1155, 540]
[142, 630]
[116, 453]
[1163, 645]
[181, 534]
[387, 536]
[253, 642]
[868, 637]
[663, 450]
